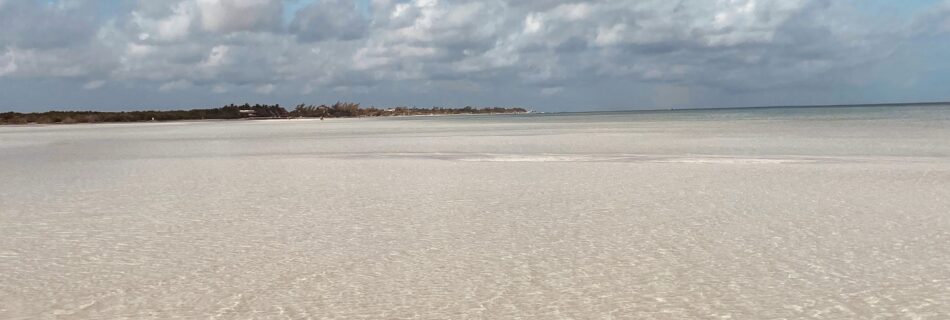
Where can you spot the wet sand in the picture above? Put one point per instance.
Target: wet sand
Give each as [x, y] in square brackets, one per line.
[834, 214]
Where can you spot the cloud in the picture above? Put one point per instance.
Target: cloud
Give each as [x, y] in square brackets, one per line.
[935, 21]
[265, 89]
[7, 63]
[441, 49]
[35, 25]
[330, 19]
[176, 25]
[550, 91]
[226, 16]
[93, 85]
[81, 62]
[175, 85]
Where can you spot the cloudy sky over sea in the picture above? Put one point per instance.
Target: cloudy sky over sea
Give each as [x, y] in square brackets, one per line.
[545, 54]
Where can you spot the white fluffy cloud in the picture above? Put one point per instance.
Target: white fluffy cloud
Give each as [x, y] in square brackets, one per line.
[175, 26]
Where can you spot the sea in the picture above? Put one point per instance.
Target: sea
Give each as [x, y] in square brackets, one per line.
[766, 213]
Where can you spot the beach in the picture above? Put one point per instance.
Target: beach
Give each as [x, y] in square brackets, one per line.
[824, 213]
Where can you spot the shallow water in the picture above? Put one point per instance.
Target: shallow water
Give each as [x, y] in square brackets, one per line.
[835, 213]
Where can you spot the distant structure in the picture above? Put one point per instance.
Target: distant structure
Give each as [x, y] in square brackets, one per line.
[264, 112]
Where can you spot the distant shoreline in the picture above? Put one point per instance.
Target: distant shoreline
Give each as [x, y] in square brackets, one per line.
[236, 112]
[317, 119]
[315, 112]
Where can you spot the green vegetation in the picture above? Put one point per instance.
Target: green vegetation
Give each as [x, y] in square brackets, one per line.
[337, 110]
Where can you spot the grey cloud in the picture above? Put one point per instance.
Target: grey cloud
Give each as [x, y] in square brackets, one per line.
[933, 22]
[741, 46]
[34, 25]
[329, 19]
[52, 40]
[240, 15]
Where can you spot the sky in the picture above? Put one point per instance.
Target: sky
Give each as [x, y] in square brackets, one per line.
[546, 55]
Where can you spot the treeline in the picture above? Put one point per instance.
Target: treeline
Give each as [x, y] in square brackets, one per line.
[67, 117]
[349, 110]
[257, 111]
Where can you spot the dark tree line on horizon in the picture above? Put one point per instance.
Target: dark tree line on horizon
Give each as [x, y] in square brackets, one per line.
[232, 111]
[349, 110]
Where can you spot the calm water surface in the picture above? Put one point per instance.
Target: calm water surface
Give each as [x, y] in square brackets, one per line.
[825, 213]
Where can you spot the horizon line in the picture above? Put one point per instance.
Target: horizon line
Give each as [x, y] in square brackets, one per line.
[532, 110]
[896, 104]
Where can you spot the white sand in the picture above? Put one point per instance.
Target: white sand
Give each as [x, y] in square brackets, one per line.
[824, 216]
